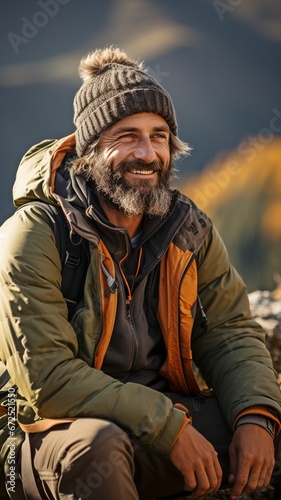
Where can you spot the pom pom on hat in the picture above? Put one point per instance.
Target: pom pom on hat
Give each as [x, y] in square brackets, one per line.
[96, 61]
[114, 87]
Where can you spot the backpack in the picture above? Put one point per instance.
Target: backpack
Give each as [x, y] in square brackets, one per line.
[74, 256]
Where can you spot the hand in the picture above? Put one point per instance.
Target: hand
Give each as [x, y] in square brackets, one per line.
[251, 459]
[197, 460]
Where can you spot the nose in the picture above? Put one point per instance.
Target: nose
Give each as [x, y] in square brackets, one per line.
[144, 151]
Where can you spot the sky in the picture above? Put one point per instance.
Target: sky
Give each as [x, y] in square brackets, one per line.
[218, 59]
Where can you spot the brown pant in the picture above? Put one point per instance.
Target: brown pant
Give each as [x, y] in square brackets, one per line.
[95, 459]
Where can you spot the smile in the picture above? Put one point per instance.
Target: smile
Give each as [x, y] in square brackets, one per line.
[141, 172]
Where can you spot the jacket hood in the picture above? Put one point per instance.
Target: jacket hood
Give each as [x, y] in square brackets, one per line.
[37, 171]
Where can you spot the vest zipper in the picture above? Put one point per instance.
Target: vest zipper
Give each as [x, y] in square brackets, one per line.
[135, 337]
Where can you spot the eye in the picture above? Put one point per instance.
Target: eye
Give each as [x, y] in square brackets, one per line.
[160, 135]
[128, 135]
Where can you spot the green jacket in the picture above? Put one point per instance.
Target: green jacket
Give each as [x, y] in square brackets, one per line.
[57, 366]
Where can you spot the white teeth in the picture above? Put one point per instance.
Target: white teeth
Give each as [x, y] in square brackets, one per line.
[142, 172]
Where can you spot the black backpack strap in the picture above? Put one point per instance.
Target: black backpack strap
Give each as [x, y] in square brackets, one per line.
[74, 255]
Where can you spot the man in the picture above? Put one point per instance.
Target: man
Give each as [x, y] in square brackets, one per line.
[108, 401]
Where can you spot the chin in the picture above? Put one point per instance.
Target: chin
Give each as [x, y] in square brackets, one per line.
[144, 185]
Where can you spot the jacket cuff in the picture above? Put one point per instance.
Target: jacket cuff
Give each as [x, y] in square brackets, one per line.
[166, 438]
[187, 420]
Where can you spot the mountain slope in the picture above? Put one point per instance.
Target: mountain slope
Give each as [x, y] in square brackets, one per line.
[241, 191]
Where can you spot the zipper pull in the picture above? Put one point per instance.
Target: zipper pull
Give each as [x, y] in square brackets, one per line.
[112, 283]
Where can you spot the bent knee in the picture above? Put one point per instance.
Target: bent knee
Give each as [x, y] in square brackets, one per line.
[100, 445]
[96, 433]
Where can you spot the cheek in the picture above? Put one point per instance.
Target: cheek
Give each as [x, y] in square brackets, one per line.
[164, 155]
[115, 155]
[166, 161]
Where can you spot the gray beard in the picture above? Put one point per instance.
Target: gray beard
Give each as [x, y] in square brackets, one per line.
[142, 199]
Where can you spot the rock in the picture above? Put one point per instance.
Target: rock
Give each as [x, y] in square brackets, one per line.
[266, 309]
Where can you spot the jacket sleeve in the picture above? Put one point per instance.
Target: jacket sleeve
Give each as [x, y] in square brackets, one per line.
[39, 346]
[231, 352]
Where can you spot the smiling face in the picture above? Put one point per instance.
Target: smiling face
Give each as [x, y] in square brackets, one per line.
[141, 142]
[132, 168]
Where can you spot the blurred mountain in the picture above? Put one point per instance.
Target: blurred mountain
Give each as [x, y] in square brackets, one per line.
[241, 191]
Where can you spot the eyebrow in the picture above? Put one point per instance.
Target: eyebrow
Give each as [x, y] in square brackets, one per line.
[163, 128]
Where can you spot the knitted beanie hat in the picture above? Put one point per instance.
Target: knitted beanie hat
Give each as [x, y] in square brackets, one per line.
[114, 87]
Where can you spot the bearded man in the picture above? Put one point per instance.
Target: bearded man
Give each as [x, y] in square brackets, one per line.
[108, 402]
